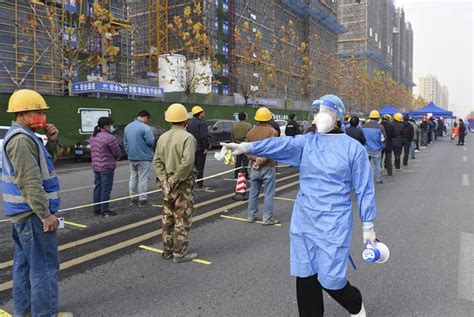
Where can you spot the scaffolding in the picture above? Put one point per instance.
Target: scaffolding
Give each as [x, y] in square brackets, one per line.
[36, 38]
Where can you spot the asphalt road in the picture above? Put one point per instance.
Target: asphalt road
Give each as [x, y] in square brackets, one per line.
[424, 216]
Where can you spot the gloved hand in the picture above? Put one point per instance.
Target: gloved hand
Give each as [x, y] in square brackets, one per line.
[166, 187]
[368, 233]
[238, 149]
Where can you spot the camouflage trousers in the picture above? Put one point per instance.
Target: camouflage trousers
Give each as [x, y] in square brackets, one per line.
[178, 208]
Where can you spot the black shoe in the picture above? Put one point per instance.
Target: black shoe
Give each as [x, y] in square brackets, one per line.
[108, 214]
[97, 213]
[142, 203]
[133, 202]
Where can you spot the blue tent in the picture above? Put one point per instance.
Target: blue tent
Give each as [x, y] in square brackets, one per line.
[433, 110]
[388, 109]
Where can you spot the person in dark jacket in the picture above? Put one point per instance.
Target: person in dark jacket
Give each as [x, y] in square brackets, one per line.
[275, 126]
[424, 128]
[462, 132]
[105, 151]
[408, 133]
[198, 128]
[397, 140]
[354, 131]
[292, 127]
[387, 151]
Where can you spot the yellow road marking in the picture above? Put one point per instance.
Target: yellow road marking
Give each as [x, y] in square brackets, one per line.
[209, 190]
[4, 313]
[105, 234]
[284, 198]
[230, 179]
[161, 252]
[158, 206]
[74, 224]
[124, 244]
[246, 220]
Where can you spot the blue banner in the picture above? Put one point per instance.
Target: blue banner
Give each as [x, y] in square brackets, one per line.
[116, 88]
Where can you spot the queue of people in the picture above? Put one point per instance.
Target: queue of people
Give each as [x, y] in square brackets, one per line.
[336, 164]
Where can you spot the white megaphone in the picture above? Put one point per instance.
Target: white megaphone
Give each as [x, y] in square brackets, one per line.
[378, 253]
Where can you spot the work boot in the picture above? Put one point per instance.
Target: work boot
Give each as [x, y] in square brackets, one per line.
[97, 213]
[142, 203]
[133, 202]
[188, 257]
[252, 220]
[167, 255]
[271, 222]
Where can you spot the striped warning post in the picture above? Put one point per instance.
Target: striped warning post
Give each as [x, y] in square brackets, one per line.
[241, 188]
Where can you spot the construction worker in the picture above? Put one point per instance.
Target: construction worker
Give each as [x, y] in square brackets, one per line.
[387, 151]
[398, 140]
[238, 134]
[262, 170]
[375, 137]
[30, 189]
[175, 170]
[331, 164]
[198, 128]
[408, 133]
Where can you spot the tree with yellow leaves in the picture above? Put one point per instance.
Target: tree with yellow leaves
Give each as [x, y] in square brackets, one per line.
[193, 42]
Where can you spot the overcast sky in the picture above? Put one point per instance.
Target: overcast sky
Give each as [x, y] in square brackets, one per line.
[443, 46]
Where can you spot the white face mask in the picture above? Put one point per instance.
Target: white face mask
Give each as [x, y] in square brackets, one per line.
[111, 129]
[324, 122]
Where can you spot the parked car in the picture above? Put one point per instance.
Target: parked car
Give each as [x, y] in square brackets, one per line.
[282, 125]
[82, 150]
[219, 131]
[3, 132]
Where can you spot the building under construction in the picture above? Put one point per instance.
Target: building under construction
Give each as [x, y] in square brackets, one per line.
[378, 37]
[37, 39]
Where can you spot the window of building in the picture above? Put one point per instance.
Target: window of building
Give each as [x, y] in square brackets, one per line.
[380, 45]
[370, 32]
[225, 5]
[216, 23]
[225, 26]
[225, 89]
[376, 37]
[253, 16]
[225, 48]
[388, 49]
[256, 75]
[225, 69]
[215, 89]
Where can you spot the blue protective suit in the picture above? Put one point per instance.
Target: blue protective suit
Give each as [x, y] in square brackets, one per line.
[331, 166]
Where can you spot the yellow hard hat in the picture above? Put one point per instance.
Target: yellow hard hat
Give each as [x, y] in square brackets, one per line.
[263, 115]
[176, 113]
[26, 100]
[374, 114]
[398, 117]
[388, 117]
[196, 110]
[313, 122]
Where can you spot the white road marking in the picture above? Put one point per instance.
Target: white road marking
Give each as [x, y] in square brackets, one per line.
[416, 164]
[464, 158]
[408, 171]
[465, 179]
[466, 266]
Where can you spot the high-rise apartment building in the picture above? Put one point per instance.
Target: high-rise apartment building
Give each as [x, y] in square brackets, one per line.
[445, 97]
[378, 37]
[430, 89]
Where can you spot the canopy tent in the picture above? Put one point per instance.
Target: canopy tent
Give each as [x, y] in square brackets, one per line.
[388, 109]
[432, 110]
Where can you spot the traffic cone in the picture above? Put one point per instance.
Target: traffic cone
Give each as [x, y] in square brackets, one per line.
[241, 193]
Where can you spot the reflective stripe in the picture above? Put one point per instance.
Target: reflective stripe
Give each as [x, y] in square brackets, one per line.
[20, 200]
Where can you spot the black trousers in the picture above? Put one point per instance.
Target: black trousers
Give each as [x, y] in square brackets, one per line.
[461, 138]
[241, 161]
[388, 162]
[406, 152]
[199, 162]
[397, 152]
[309, 293]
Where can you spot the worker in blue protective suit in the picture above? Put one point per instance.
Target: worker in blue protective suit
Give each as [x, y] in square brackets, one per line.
[331, 165]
